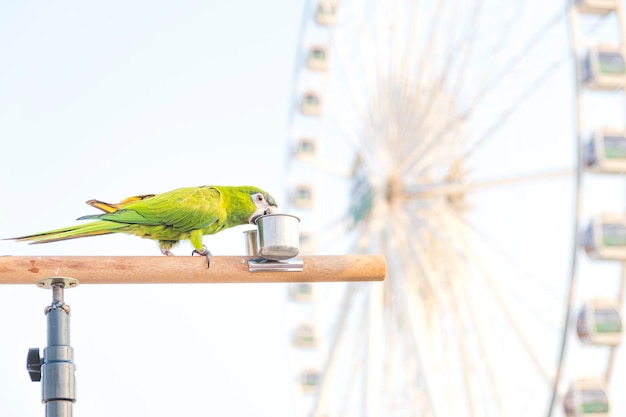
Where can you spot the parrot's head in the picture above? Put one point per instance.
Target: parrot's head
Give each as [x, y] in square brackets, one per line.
[265, 204]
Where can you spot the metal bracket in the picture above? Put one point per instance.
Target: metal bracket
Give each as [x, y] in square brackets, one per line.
[48, 283]
[263, 265]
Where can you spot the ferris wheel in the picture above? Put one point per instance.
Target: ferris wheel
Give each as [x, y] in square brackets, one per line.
[443, 135]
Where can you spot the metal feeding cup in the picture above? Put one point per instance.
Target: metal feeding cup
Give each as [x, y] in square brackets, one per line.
[278, 236]
[252, 242]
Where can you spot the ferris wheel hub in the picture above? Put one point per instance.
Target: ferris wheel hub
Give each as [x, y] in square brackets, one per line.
[394, 189]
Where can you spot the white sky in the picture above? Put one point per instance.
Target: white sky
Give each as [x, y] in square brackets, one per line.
[111, 99]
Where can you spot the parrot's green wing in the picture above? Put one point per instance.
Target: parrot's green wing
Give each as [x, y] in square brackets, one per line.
[122, 216]
[182, 209]
[189, 208]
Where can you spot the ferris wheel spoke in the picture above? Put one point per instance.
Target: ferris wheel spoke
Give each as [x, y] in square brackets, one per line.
[414, 307]
[413, 162]
[371, 46]
[474, 240]
[471, 258]
[354, 372]
[409, 243]
[451, 188]
[457, 360]
[469, 370]
[422, 163]
[328, 368]
[466, 46]
[412, 117]
[511, 23]
[402, 64]
[420, 373]
[373, 382]
[417, 334]
[492, 84]
[360, 125]
[521, 272]
[515, 325]
[486, 360]
[446, 304]
[504, 116]
[430, 40]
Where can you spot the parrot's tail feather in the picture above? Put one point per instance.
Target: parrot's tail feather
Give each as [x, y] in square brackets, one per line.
[111, 207]
[72, 232]
[90, 217]
[101, 205]
[49, 239]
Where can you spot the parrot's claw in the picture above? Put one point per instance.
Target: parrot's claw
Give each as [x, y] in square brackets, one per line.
[204, 252]
[166, 252]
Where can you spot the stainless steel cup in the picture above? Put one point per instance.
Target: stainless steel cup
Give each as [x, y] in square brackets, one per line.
[278, 236]
[252, 242]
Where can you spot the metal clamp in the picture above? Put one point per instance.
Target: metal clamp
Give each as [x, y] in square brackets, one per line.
[288, 265]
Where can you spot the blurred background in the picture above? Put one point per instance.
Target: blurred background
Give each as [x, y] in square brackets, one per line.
[470, 142]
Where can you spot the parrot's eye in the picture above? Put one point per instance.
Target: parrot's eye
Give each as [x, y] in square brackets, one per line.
[259, 197]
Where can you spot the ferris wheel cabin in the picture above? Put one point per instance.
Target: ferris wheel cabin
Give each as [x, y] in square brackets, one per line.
[302, 291]
[603, 68]
[586, 398]
[605, 237]
[304, 336]
[606, 151]
[303, 196]
[309, 381]
[600, 7]
[600, 322]
[311, 104]
[326, 13]
[317, 58]
[306, 149]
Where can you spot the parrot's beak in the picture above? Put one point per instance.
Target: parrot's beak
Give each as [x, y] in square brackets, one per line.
[260, 212]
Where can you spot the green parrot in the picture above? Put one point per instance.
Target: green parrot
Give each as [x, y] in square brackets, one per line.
[181, 214]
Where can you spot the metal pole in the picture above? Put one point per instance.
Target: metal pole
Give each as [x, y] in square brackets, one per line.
[56, 368]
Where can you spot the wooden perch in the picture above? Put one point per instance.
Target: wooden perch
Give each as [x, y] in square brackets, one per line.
[184, 269]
